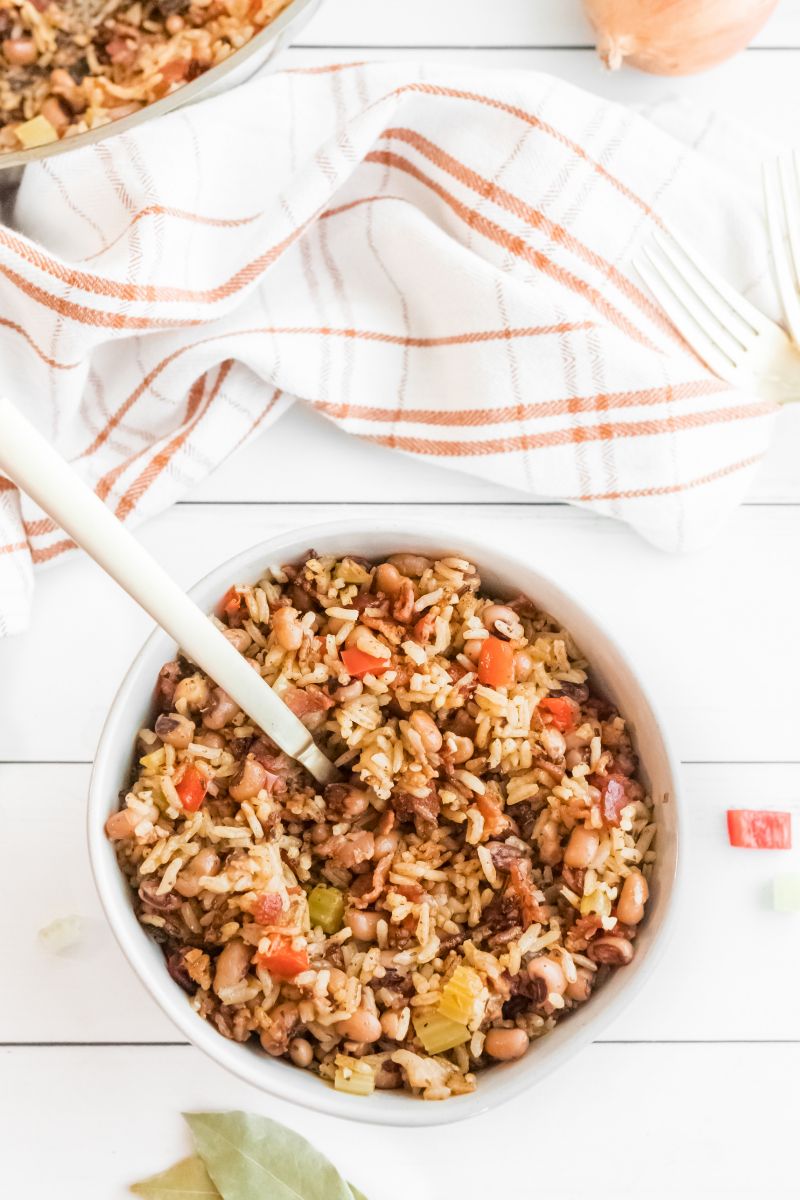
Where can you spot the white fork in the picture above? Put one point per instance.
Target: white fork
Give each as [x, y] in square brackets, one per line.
[729, 334]
[782, 198]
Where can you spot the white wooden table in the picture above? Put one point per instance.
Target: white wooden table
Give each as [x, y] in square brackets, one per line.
[693, 1091]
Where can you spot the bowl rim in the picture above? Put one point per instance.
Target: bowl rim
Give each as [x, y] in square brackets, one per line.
[584, 1025]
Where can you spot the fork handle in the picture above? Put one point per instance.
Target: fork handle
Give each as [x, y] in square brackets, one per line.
[29, 459]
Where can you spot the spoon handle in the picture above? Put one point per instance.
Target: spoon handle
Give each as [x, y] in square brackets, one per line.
[29, 459]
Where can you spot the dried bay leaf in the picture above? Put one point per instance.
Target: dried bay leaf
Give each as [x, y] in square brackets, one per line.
[253, 1158]
[187, 1180]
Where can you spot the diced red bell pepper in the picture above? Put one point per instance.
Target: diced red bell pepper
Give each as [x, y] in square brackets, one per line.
[562, 711]
[283, 959]
[232, 606]
[266, 908]
[357, 663]
[496, 663]
[191, 788]
[758, 829]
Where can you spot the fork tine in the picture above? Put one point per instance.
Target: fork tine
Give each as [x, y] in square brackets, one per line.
[780, 261]
[743, 308]
[682, 320]
[698, 282]
[684, 291]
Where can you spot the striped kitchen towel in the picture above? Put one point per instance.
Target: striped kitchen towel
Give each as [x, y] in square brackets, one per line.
[436, 259]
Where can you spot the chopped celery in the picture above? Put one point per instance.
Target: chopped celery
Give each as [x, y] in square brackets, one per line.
[596, 902]
[353, 1075]
[460, 994]
[153, 760]
[326, 908]
[786, 893]
[438, 1033]
[36, 132]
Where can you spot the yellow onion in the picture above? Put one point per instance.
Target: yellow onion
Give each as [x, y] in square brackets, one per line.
[674, 37]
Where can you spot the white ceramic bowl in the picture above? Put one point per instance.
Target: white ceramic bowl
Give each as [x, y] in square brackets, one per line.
[502, 576]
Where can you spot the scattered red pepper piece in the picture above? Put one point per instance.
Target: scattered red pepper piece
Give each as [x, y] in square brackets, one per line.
[191, 788]
[758, 829]
[283, 959]
[357, 663]
[561, 710]
[496, 663]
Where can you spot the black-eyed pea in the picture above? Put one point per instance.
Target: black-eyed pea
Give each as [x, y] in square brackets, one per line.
[523, 666]
[363, 923]
[287, 628]
[232, 965]
[174, 730]
[505, 1044]
[392, 1024]
[239, 638]
[632, 899]
[222, 709]
[580, 988]
[429, 733]
[362, 1026]
[463, 748]
[611, 950]
[411, 565]
[250, 782]
[122, 824]
[192, 692]
[550, 851]
[550, 972]
[388, 579]
[205, 862]
[581, 848]
[300, 1052]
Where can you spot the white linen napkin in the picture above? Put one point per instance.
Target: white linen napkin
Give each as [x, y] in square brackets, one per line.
[437, 259]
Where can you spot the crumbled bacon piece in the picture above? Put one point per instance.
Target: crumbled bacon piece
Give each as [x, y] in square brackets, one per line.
[303, 701]
[365, 890]
[495, 820]
[407, 806]
[403, 606]
[531, 900]
[266, 908]
[424, 627]
[582, 932]
[503, 854]
[617, 791]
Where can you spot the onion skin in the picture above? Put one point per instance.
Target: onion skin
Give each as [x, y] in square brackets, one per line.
[674, 37]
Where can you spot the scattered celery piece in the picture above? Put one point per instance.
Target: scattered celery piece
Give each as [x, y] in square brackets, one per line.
[326, 908]
[438, 1033]
[353, 1075]
[460, 994]
[36, 132]
[786, 893]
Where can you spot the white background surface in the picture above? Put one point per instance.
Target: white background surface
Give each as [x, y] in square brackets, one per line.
[693, 1091]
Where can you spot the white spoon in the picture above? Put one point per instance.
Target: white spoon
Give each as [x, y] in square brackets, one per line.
[29, 459]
